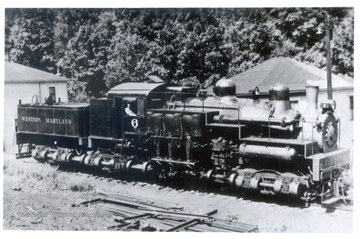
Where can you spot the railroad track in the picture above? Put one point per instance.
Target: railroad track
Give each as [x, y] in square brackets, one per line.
[141, 214]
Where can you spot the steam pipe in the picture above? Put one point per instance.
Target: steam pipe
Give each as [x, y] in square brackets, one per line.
[283, 122]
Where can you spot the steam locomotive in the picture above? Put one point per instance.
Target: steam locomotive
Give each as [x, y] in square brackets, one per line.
[170, 130]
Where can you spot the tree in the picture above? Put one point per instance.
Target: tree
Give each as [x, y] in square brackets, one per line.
[128, 61]
[99, 48]
[87, 53]
[343, 45]
[31, 39]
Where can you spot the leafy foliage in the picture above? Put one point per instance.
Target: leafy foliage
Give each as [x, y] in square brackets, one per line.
[100, 48]
[31, 39]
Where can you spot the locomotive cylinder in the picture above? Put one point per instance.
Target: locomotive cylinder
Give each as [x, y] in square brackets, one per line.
[266, 152]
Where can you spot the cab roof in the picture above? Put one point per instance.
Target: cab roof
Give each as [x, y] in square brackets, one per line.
[136, 88]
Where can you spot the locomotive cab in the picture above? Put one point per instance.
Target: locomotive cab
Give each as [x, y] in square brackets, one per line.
[123, 111]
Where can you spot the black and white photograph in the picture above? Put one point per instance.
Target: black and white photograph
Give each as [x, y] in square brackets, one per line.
[231, 119]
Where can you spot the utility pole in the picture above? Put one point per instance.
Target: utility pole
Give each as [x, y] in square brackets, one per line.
[328, 56]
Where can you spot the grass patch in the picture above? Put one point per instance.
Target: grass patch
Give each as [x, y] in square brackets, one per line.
[44, 176]
[49, 173]
[82, 187]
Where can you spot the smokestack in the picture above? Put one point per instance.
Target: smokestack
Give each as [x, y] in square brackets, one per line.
[312, 93]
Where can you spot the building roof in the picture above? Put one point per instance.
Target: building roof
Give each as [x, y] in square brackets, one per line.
[17, 73]
[294, 74]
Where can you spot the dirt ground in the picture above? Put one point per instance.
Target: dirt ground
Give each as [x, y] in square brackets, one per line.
[39, 197]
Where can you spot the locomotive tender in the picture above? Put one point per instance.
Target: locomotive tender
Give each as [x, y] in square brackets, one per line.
[171, 130]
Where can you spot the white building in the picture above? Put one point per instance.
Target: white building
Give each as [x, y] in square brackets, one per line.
[27, 85]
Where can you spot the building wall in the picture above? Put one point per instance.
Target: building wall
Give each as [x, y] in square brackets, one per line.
[61, 90]
[343, 111]
[342, 99]
[25, 92]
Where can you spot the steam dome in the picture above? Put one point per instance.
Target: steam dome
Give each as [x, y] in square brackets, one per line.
[225, 87]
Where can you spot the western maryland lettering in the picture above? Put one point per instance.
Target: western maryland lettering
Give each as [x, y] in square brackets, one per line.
[30, 119]
[47, 120]
[57, 121]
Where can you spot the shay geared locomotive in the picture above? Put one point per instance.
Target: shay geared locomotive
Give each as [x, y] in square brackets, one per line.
[169, 130]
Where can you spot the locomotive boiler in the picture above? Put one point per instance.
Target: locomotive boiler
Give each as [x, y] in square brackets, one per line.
[248, 144]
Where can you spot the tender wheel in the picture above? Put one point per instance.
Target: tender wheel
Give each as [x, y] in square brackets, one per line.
[128, 165]
[68, 157]
[254, 183]
[232, 179]
[97, 161]
[146, 167]
[43, 154]
[209, 175]
[86, 160]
